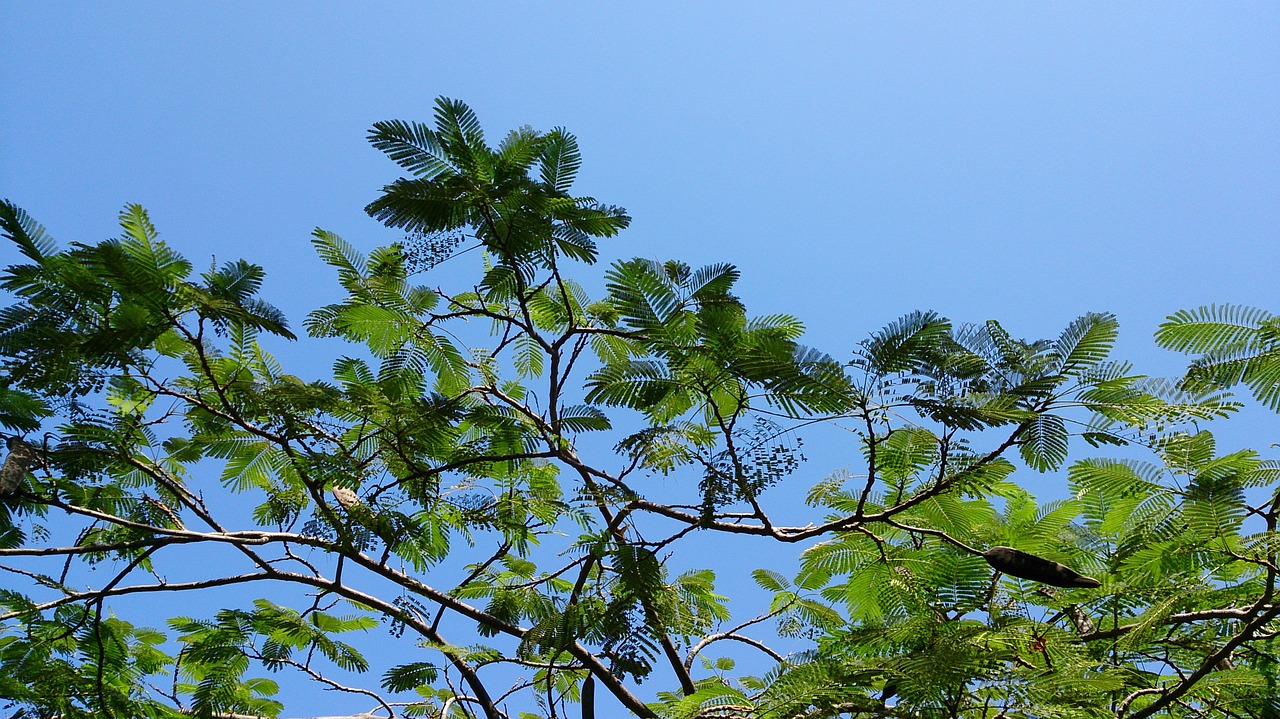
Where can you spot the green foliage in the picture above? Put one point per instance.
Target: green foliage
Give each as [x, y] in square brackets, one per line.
[461, 182]
[461, 492]
[1235, 345]
[77, 663]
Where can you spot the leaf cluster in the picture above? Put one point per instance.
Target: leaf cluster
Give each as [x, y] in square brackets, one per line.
[462, 492]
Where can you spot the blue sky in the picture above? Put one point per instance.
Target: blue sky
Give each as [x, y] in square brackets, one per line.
[1017, 161]
[1013, 161]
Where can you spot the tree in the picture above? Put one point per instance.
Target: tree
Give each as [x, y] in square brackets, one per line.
[490, 498]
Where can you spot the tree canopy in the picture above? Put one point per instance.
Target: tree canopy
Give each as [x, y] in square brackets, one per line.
[524, 485]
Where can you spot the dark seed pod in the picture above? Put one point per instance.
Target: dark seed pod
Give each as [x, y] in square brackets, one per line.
[1017, 563]
[21, 456]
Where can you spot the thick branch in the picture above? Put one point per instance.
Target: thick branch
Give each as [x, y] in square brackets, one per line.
[140, 589]
[1208, 665]
[1185, 618]
[706, 641]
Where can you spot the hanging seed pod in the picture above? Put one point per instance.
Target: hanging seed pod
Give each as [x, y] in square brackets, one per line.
[1017, 563]
[21, 456]
[348, 499]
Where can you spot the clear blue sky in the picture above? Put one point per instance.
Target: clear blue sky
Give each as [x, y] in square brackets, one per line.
[1026, 162]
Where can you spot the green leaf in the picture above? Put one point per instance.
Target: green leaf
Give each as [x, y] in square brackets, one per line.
[770, 580]
[560, 159]
[1086, 342]
[26, 233]
[22, 411]
[407, 677]
[411, 145]
[1236, 345]
[906, 343]
[529, 357]
[339, 253]
[1210, 327]
[1043, 442]
[151, 256]
[584, 418]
